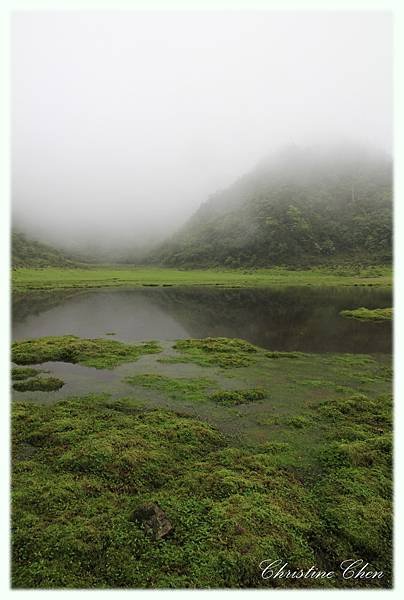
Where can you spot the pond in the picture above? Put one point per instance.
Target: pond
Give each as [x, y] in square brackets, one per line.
[296, 318]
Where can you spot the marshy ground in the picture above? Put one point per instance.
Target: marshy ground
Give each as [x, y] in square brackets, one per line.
[113, 276]
[249, 453]
[253, 423]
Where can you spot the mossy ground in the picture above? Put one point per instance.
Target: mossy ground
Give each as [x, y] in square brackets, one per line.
[28, 379]
[93, 462]
[20, 373]
[222, 352]
[311, 481]
[98, 353]
[176, 388]
[38, 384]
[367, 314]
[234, 397]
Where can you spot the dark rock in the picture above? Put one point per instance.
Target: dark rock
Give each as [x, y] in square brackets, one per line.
[154, 520]
[239, 529]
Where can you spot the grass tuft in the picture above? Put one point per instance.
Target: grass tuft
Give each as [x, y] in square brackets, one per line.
[221, 352]
[367, 314]
[38, 384]
[19, 373]
[234, 397]
[99, 353]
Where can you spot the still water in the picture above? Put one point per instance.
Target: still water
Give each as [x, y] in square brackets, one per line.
[305, 319]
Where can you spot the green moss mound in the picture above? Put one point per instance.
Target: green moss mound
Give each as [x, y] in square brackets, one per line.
[39, 384]
[356, 485]
[367, 314]
[93, 461]
[222, 352]
[299, 421]
[234, 397]
[98, 353]
[19, 373]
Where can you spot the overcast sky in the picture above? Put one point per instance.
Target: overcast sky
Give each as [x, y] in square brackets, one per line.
[124, 122]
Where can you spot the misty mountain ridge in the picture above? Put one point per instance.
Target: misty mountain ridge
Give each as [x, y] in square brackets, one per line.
[30, 253]
[300, 206]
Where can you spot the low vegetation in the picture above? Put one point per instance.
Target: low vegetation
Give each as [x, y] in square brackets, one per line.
[93, 277]
[234, 397]
[366, 314]
[183, 388]
[98, 353]
[277, 354]
[83, 467]
[271, 454]
[222, 352]
[19, 373]
[38, 384]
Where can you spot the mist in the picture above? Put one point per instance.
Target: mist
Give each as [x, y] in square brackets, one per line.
[125, 122]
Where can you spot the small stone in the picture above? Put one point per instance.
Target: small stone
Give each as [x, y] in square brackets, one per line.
[154, 520]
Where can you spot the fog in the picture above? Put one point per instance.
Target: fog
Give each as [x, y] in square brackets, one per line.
[124, 122]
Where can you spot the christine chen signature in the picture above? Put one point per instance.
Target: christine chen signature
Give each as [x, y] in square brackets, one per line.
[353, 569]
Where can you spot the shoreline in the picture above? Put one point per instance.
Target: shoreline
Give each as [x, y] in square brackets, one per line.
[51, 278]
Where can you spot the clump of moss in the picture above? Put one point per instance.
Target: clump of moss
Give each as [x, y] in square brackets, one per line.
[99, 353]
[355, 483]
[182, 388]
[38, 384]
[222, 352]
[367, 314]
[234, 397]
[19, 373]
[358, 411]
[299, 421]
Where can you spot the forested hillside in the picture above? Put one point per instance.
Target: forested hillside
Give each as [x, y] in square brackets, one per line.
[29, 253]
[304, 206]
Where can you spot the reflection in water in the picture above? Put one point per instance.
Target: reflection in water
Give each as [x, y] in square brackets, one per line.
[299, 318]
[131, 315]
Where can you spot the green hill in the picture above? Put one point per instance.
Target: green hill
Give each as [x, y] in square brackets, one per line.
[302, 207]
[30, 253]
